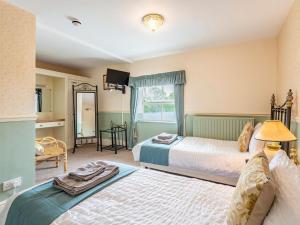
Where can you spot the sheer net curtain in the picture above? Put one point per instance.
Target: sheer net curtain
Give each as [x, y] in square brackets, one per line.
[176, 78]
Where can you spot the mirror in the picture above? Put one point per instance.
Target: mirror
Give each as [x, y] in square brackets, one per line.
[43, 99]
[85, 114]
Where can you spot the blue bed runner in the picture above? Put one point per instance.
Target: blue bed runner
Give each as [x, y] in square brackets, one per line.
[44, 203]
[156, 153]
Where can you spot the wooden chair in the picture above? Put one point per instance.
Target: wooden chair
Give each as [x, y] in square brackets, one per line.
[54, 149]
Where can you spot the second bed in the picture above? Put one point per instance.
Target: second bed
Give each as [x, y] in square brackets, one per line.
[208, 159]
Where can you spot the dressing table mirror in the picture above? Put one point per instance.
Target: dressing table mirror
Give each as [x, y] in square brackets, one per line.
[43, 99]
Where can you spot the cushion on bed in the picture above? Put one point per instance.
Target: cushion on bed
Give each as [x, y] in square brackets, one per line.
[254, 193]
[244, 138]
[255, 145]
[286, 207]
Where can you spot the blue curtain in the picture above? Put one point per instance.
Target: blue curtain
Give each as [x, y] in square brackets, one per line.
[177, 78]
[133, 116]
[179, 107]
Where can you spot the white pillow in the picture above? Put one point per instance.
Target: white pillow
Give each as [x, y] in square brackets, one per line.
[286, 207]
[256, 145]
[39, 149]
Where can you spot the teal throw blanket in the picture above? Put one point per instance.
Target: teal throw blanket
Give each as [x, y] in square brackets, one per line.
[43, 204]
[156, 153]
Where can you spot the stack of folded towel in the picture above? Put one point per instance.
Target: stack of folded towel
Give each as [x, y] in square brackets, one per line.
[85, 178]
[164, 138]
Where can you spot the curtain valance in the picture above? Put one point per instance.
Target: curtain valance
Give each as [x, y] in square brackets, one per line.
[175, 78]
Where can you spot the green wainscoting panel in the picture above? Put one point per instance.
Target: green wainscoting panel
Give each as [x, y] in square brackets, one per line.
[17, 154]
[145, 129]
[261, 119]
[149, 129]
[192, 124]
[221, 128]
[116, 117]
[226, 127]
[189, 125]
[295, 128]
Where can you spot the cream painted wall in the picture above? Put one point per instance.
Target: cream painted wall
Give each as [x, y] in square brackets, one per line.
[17, 62]
[238, 78]
[289, 57]
[17, 90]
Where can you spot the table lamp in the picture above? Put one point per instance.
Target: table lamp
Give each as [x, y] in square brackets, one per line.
[274, 131]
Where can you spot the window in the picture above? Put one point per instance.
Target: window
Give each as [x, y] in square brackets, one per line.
[156, 103]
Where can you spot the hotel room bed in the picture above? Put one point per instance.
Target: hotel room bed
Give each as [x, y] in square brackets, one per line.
[209, 159]
[219, 161]
[135, 200]
[153, 197]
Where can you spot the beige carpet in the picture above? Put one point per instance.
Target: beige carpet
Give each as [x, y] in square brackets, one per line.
[83, 155]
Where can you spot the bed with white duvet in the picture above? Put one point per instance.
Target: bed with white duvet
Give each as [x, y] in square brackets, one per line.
[153, 197]
[210, 159]
[220, 161]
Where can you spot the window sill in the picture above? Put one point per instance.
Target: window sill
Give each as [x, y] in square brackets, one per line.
[156, 121]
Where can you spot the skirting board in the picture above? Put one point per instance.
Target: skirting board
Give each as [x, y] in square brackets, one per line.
[192, 173]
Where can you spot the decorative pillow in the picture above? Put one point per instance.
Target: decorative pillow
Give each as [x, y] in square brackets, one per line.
[253, 195]
[245, 136]
[286, 207]
[256, 146]
[39, 149]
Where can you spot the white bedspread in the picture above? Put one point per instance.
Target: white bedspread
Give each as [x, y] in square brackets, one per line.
[151, 197]
[216, 157]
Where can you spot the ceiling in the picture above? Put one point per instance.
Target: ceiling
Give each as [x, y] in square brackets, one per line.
[112, 31]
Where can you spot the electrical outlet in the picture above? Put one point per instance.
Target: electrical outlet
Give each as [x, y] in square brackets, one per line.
[11, 184]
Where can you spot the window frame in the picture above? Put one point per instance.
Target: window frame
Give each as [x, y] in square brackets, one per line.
[162, 103]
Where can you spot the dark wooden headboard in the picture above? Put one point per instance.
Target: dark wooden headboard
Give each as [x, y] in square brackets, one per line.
[283, 113]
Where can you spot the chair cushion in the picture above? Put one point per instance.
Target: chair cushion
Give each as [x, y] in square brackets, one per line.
[54, 151]
[50, 153]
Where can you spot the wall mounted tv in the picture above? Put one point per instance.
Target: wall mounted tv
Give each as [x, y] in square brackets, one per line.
[117, 77]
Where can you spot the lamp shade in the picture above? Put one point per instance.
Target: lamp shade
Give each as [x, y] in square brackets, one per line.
[274, 131]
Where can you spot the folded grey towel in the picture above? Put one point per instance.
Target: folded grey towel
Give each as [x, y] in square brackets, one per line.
[75, 187]
[88, 171]
[166, 142]
[164, 136]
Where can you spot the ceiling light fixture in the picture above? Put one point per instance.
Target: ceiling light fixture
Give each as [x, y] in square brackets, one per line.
[153, 21]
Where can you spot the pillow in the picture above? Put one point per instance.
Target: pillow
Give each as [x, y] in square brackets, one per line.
[254, 193]
[286, 207]
[39, 149]
[244, 138]
[256, 146]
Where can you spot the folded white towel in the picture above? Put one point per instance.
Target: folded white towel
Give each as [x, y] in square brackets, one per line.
[166, 141]
[164, 136]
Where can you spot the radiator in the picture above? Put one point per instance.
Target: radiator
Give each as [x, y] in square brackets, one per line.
[218, 127]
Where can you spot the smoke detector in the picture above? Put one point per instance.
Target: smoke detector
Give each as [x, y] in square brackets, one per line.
[76, 22]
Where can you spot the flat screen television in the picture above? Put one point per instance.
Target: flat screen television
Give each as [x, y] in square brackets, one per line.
[117, 77]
